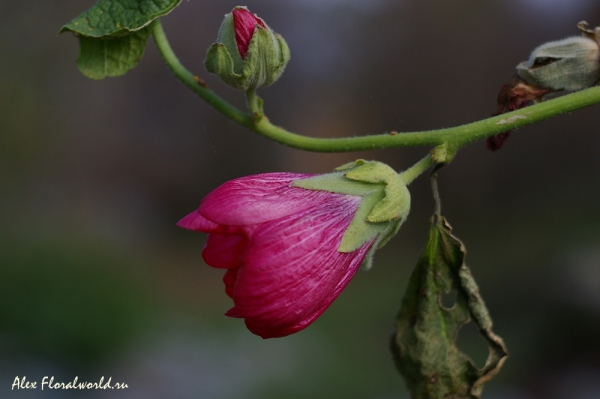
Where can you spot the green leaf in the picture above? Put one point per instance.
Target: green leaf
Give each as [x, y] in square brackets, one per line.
[101, 58]
[423, 345]
[119, 17]
[113, 34]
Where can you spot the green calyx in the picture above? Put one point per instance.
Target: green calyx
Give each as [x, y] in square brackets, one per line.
[384, 207]
[267, 56]
[568, 64]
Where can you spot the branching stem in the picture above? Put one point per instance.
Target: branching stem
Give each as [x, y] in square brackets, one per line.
[455, 137]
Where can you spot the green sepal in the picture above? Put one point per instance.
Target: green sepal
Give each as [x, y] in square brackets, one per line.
[262, 58]
[396, 202]
[335, 183]
[101, 58]
[227, 38]
[218, 61]
[390, 232]
[384, 206]
[360, 230]
[386, 235]
[351, 165]
[113, 34]
[261, 67]
[285, 53]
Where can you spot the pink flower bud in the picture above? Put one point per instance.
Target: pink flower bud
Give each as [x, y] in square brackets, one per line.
[279, 245]
[244, 23]
[247, 54]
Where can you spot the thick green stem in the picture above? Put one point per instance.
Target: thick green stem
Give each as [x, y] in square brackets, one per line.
[456, 136]
[417, 169]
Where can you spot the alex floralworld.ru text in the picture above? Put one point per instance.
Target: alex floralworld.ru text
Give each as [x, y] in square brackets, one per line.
[48, 383]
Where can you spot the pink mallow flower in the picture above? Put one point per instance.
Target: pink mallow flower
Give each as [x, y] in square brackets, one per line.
[279, 246]
[291, 242]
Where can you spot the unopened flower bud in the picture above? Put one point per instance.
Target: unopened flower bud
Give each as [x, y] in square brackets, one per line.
[568, 64]
[247, 54]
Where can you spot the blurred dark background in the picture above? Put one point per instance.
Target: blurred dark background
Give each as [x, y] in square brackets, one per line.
[96, 280]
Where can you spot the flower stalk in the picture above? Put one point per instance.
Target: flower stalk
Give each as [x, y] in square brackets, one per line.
[417, 169]
[253, 103]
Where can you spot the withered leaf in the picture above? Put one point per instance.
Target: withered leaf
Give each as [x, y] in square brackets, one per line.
[424, 345]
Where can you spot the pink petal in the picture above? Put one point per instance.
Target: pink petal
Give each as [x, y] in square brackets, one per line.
[224, 251]
[257, 199]
[196, 222]
[244, 24]
[229, 279]
[233, 312]
[292, 270]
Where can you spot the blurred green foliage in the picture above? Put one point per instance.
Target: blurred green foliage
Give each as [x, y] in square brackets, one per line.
[76, 305]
